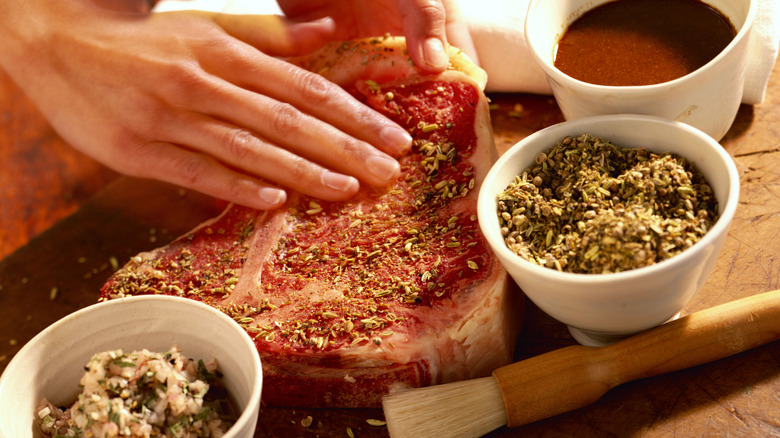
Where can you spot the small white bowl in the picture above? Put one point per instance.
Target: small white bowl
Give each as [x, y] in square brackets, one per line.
[707, 98]
[602, 308]
[52, 363]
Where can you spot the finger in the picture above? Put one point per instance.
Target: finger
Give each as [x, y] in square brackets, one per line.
[310, 94]
[457, 30]
[170, 163]
[313, 158]
[243, 150]
[424, 24]
[309, 9]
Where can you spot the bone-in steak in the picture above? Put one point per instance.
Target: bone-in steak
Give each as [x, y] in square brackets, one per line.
[394, 288]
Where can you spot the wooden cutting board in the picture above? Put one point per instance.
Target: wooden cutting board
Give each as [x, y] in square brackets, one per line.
[62, 270]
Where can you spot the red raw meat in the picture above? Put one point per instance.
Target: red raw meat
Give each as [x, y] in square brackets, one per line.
[394, 288]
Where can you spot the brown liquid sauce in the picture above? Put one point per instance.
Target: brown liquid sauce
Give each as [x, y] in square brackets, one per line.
[642, 42]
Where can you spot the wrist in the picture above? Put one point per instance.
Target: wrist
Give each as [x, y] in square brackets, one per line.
[27, 26]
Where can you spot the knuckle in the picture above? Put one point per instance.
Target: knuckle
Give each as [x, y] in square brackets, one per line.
[190, 169]
[315, 89]
[238, 144]
[180, 79]
[286, 118]
[156, 123]
[354, 149]
[431, 11]
[128, 156]
[185, 71]
[299, 171]
[236, 190]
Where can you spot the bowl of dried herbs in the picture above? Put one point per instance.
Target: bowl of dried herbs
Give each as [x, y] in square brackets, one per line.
[610, 224]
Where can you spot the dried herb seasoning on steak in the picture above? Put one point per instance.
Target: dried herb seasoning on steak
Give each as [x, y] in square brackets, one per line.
[394, 288]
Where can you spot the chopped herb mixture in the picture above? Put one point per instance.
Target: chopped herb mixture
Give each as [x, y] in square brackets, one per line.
[589, 206]
[142, 394]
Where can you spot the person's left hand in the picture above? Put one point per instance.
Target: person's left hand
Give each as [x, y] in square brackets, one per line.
[202, 100]
[427, 24]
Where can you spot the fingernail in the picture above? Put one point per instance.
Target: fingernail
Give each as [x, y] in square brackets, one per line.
[435, 55]
[397, 139]
[337, 181]
[275, 197]
[326, 22]
[384, 168]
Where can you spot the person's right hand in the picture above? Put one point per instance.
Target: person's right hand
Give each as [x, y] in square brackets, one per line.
[427, 25]
[184, 98]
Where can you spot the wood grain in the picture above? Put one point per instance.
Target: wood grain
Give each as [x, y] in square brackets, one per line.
[66, 221]
[42, 179]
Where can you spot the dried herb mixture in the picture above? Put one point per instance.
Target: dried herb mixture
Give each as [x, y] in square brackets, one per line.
[590, 206]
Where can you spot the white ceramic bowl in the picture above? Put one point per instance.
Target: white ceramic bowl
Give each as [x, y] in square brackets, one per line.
[52, 363]
[707, 98]
[602, 308]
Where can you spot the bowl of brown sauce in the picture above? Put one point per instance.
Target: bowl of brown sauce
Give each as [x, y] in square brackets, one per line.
[677, 59]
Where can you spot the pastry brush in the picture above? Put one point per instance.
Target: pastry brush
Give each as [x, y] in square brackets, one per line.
[575, 376]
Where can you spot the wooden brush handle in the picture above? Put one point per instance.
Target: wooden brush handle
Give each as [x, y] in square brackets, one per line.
[575, 376]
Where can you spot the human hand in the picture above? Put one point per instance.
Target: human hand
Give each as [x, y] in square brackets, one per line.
[187, 98]
[426, 24]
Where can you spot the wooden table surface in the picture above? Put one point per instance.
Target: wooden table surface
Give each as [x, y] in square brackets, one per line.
[66, 221]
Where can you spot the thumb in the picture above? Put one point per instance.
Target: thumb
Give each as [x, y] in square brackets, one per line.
[276, 36]
[424, 25]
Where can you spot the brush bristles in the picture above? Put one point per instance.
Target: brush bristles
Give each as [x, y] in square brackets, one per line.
[470, 408]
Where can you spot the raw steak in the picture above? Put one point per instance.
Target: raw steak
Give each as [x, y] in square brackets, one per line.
[394, 288]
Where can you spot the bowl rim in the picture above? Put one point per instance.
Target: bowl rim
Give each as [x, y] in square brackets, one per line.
[486, 204]
[550, 68]
[253, 403]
